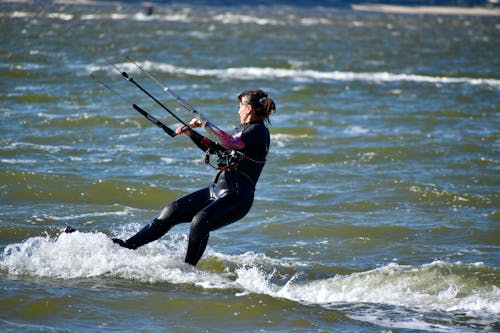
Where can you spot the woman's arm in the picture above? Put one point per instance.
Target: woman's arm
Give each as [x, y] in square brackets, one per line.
[199, 140]
[225, 139]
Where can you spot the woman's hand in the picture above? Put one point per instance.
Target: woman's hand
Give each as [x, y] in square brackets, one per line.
[194, 123]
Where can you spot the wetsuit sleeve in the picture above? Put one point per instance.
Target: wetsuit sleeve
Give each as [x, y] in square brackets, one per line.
[224, 139]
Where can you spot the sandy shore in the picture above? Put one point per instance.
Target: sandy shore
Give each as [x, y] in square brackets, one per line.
[434, 10]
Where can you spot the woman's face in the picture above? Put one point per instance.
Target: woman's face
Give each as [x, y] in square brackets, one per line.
[245, 112]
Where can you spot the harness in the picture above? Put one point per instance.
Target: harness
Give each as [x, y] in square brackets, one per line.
[228, 161]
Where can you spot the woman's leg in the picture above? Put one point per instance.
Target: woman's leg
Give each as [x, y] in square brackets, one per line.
[180, 211]
[218, 214]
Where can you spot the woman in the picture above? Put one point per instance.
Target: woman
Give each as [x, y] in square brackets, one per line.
[241, 157]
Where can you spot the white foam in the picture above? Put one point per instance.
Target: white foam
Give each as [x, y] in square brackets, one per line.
[170, 160]
[412, 292]
[282, 140]
[35, 146]
[356, 130]
[435, 286]
[252, 259]
[300, 75]
[183, 15]
[18, 14]
[416, 293]
[86, 215]
[17, 161]
[172, 17]
[60, 16]
[24, 14]
[230, 18]
[86, 255]
[252, 280]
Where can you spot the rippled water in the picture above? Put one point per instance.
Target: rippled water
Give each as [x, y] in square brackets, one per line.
[377, 209]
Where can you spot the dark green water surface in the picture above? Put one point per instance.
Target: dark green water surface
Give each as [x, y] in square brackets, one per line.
[377, 211]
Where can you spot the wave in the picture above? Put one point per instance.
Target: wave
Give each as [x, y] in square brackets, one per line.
[87, 255]
[465, 295]
[433, 193]
[182, 15]
[298, 75]
[25, 14]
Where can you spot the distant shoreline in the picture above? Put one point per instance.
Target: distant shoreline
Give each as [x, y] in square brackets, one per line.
[365, 7]
[430, 10]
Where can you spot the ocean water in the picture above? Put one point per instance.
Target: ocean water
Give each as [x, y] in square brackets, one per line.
[378, 209]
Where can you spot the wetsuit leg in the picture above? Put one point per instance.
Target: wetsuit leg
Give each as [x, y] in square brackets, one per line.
[180, 211]
[218, 214]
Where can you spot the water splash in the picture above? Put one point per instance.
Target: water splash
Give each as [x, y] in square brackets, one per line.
[451, 289]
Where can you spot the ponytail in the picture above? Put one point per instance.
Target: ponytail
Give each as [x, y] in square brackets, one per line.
[257, 98]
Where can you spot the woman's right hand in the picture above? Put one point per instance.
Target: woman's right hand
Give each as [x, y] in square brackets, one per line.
[182, 129]
[194, 123]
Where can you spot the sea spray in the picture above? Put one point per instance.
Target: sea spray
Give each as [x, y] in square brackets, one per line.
[440, 286]
[88, 255]
[451, 289]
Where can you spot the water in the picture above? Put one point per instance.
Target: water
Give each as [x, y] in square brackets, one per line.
[377, 210]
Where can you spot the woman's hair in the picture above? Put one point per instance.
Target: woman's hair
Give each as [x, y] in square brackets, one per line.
[257, 98]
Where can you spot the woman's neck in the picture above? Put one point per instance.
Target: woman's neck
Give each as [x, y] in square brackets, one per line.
[252, 118]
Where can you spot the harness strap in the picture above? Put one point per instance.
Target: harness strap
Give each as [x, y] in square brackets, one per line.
[262, 161]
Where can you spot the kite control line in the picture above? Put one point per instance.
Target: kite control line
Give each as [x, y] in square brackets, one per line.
[149, 117]
[227, 146]
[224, 139]
[131, 79]
[169, 91]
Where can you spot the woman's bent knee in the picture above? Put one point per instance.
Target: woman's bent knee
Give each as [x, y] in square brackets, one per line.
[168, 212]
[199, 225]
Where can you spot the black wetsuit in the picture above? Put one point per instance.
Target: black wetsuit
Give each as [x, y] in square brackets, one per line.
[227, 200]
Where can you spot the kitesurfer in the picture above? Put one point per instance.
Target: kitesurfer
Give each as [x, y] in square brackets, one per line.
[241, 157]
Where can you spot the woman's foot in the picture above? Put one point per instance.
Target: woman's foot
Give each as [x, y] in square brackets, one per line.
[119, 242]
